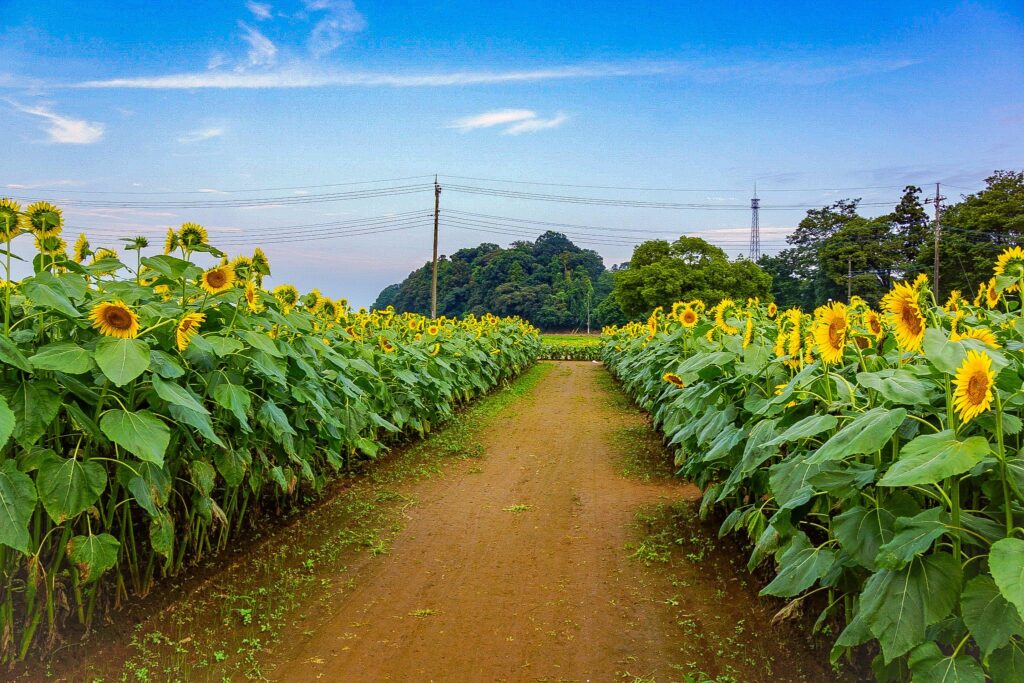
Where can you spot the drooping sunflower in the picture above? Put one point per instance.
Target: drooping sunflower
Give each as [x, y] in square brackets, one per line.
[436, 349]
[720, 320]
[187, 328]
[51, 244]
[982, 334]
[748, 331]
[171, 241]
[688, 317]
[192, 235]
[772, 309]
[830, 332]
[874, 324]
[9, 219]
[652, 325]
[905, 316]
[328, 310]
[260, 262]
[80, 251]
[287, 296]
[351, 331]
[673, 378]
[953, 302]
[242, 265]
[992, 294]
[42, 219]
[115, 319]
[252, 297]
[314, 300]
[217, 279]
[920, 281]
[973, 382]
[103, 253]
[385, 345]
[1011, 264]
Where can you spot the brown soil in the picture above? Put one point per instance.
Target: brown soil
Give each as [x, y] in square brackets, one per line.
[567, 552]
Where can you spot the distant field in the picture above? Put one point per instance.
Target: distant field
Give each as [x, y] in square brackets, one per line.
[570, 339]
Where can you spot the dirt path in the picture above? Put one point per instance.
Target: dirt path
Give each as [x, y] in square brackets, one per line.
[519, 571]
[541, 536]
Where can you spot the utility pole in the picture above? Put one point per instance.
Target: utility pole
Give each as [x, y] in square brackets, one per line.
[433, 279]
[755, 227]
[849, 279]
[937, 201]
[589, 291]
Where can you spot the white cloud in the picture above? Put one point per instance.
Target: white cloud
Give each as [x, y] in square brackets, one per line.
[262, 51]
[493, 118]
[341, 19]
[260, 10]
[308, 76]
[534, 124]
[201, 134]
[64, 129]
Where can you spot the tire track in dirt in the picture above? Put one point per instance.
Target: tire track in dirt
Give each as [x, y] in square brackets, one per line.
[517, 570]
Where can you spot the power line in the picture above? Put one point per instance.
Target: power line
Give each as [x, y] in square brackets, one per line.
[236, 191]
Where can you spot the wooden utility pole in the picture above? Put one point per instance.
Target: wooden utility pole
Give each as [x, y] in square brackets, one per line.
[849, 278]
[433, 279]
[937, 201]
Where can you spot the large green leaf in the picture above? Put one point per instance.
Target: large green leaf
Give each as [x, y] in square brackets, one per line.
[930, 458]
[1006, 665]
[178, 395]
[936, 667]
[1006, 562]
[800, 566]
[865, 434]
[898, 605]
[262, 342]
[68, 487]
[12, 355]
[17, 502]
[992, 620]
[164, 365]
[161, 533]
[914, 536]
[7, 422]
[232, 465]
[812, 425]
[236, 399]
[45, 291]
[168, 266]
[896, 384]
[34, 405]
[141, 433]
[66, 357]
[93, 555]
[201, 421]
[121, 360]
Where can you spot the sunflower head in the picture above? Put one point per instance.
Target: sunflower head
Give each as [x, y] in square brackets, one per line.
[51, 244]
[688, 317]
[314, 300]
[171, 242]
[982, 334]
[328, 309]
[436, 349]
[80, 251]
[904, 312]
[252, 297]
[260, 262]
[187, 328]
[720, 320]
[748, 331]
[673, 378]
[874, 324]
[192, 235]
[115, 319]
[287, 296]
[242, 265]
[973, 386]
[830, 332]
[432, 330]
[42, 219]
[9, 219]
[103, 253]
[385, 345]
[772, 310]
[1011, 263]
[992, 294]
[218, 279]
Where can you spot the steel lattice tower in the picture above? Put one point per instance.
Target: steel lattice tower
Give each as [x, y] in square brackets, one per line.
[755, 228]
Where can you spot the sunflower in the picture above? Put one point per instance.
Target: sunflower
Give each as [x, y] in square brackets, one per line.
[748, 331]
[830, 332]
[242, 265]
[314, 300]
[9, 221]
[905, 316]
[772, 310]
[953, 302]
[688, 317]
[874, 324]
[188, 326]
[218, 279]
[260, 262]
[351, 331]
[103, 253]
[252, 297]
[673, 378]
[1011, 263]
[51, 244]
[436, 349]
[329, 309]
[80, 251]
[115, 319]
[432, 330]
[192, 235]
[720, 320]
[287, 296]
[42, 219]
[385, 345]
[171, 241]
[980, 295]
[991, 294]
[973, 382]
[920, 281]
[982, 334]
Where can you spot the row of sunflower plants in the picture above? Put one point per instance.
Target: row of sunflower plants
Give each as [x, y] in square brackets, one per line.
[151, 408]
[871, 459]
[569, 347]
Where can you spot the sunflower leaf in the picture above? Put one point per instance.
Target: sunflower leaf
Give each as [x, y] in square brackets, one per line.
[121, 360]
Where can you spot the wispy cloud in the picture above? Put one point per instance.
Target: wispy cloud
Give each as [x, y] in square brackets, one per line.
[534, 124]
[260, 10]
[493, 118]
[315, 75]
[521, 120]
[262, 51]
[341, 19]
[62, 129]
[201, 134]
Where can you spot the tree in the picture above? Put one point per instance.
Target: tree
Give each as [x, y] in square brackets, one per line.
[689, 268]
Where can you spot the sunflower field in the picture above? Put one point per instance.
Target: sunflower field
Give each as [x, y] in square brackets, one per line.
[150, 408]
[871, 459]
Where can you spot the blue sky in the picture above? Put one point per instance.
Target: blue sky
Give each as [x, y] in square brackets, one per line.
[109, 101]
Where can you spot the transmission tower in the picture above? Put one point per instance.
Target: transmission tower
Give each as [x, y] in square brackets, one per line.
[755, 227]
